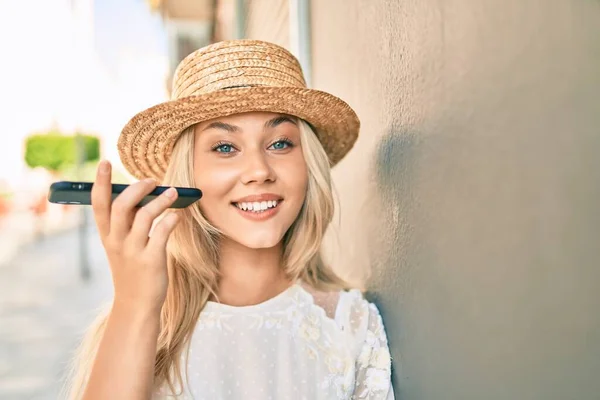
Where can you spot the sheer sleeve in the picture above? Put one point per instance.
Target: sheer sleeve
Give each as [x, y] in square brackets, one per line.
[373, 362]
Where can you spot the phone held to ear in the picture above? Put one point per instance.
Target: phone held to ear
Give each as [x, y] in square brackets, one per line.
[79, 193]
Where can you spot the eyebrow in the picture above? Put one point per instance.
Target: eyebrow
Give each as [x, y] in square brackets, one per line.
[272, 123]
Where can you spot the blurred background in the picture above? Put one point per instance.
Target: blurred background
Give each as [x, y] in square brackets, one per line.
[468, 207]
[72, 73]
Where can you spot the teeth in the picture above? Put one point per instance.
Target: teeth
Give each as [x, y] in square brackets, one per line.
[257, 206]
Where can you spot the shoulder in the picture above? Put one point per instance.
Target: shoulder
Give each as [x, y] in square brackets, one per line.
[352, 313]
[370, 347]
[327, 300]
[362, 320]
[358, 315]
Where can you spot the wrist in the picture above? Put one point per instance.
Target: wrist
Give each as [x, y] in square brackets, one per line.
[129, 309]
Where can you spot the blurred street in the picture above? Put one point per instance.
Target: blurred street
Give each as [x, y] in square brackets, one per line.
[44, 308]
[109, 59]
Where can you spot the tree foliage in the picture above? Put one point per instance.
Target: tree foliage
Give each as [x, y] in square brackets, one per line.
[55, 151]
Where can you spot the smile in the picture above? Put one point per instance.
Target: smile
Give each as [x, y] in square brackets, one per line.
[258, 211]
[257, 206]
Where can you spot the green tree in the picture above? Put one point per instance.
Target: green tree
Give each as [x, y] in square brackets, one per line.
[55, 151]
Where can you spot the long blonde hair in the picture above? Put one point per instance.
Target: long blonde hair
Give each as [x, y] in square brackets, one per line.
[192, 262]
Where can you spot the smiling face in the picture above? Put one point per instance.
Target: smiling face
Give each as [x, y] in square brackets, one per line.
[251, 170]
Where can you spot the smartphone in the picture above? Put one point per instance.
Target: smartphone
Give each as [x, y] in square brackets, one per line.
[64, 192]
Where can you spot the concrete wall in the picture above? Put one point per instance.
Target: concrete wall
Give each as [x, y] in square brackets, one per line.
[473, 192]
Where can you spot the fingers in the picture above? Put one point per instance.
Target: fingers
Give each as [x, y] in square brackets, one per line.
[123, 208]
[161, 232]
[147, 214]
[101, 198]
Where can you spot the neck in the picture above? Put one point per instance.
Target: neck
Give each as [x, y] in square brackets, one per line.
[249, 276]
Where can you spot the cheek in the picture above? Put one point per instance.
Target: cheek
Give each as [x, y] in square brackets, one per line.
[216, 184]
[294, 176]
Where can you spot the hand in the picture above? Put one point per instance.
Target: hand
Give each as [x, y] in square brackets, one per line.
[138, 262]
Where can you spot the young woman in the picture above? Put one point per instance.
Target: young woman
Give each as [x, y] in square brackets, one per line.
[229, 298]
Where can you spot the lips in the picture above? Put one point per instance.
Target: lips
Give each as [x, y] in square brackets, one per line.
[263, 210]
[258, 207]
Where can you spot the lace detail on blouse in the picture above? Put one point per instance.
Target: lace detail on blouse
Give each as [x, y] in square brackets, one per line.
[303, 344]
[328, 301]
[373, 362]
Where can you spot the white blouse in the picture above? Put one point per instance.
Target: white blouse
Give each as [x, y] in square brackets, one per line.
[300, 344]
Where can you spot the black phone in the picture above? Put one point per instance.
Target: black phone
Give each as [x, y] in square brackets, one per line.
[64, 192]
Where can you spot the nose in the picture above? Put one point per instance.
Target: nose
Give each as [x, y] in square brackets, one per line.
[257, 168]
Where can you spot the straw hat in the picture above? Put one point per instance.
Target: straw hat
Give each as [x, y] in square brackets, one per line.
[227, 78]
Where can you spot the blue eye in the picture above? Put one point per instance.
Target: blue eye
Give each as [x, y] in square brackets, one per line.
[223, 148]
[281, 144]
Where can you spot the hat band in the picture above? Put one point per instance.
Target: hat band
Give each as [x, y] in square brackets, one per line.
[236, 86]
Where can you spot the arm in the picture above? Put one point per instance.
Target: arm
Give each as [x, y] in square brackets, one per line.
[124, 364]
[373, 367]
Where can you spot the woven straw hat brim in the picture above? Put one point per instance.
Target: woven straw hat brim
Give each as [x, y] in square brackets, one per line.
[146, 142]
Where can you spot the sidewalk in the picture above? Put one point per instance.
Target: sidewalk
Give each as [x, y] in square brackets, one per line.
[18, 229]
[44, 308]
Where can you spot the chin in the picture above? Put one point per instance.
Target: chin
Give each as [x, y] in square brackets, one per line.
[256, 238]
[259, 240]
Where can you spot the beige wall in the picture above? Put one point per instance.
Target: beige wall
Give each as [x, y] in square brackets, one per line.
[268, 20]
[474, 189]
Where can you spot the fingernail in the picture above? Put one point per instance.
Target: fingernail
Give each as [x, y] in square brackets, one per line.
[104, 166]
[170, 192]
[149, 180]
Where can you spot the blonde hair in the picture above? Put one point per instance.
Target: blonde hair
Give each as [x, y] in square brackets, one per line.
[192, 262]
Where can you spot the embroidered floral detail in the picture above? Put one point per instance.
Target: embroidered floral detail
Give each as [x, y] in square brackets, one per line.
[307, 320]
[377, 380]
[210, 320]
[374, 360]
[267, 320]
[341, 384]
[364, 357]
[381, 358]
[310, 328]
[355, 364]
